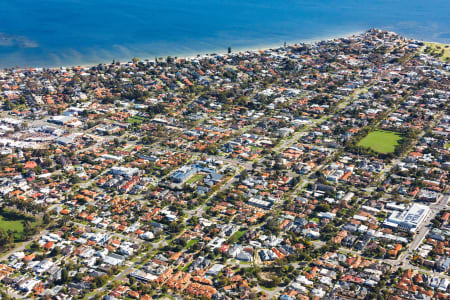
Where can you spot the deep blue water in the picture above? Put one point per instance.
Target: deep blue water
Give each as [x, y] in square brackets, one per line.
[72, 32]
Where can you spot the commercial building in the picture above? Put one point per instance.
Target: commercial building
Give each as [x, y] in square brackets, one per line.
[123, 171]
[183, 174]
[409, 219]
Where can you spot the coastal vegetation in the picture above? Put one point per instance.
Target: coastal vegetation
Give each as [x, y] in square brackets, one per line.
[441, 51]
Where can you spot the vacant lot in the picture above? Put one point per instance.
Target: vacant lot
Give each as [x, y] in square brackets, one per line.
[381, 141]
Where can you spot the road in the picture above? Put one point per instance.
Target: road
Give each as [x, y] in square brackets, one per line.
[23, 245]
[423, 229]
[285, 143]
[402, 261]
[96, 229]
[11, 292]
[119, 277]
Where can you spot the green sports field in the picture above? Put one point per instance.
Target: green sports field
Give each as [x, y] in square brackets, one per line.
[14, 225]
[381, 141]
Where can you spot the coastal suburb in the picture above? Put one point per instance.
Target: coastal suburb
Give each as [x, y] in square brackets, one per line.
[306, 171]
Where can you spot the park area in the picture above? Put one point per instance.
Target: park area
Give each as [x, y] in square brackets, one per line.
[381, 141]
[10, 220]
[441, 51]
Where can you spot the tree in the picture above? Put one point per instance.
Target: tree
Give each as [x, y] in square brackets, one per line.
[27, 228]
[323, 207]
[4, 295]
[194, 220]
[97, 297]
[38, 170]
[34, 246]
[8, 105]
[46, 219]
[4, 238]
[55, 251]
[47, 163]
[273, 226]
[175, 227]
[244, 175]
[64, 275]
[74, 179]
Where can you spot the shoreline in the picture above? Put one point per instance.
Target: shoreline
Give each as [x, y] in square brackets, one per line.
[224, 51]
[221, 51]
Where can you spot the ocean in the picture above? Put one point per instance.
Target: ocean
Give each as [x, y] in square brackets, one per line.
[49, 33]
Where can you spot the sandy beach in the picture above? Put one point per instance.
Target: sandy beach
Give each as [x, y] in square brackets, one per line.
[220, 51]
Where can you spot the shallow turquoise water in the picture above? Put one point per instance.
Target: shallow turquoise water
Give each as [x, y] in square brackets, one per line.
[71, 32]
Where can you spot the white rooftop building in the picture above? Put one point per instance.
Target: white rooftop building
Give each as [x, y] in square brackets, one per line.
[123, 171]
[409, 219]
